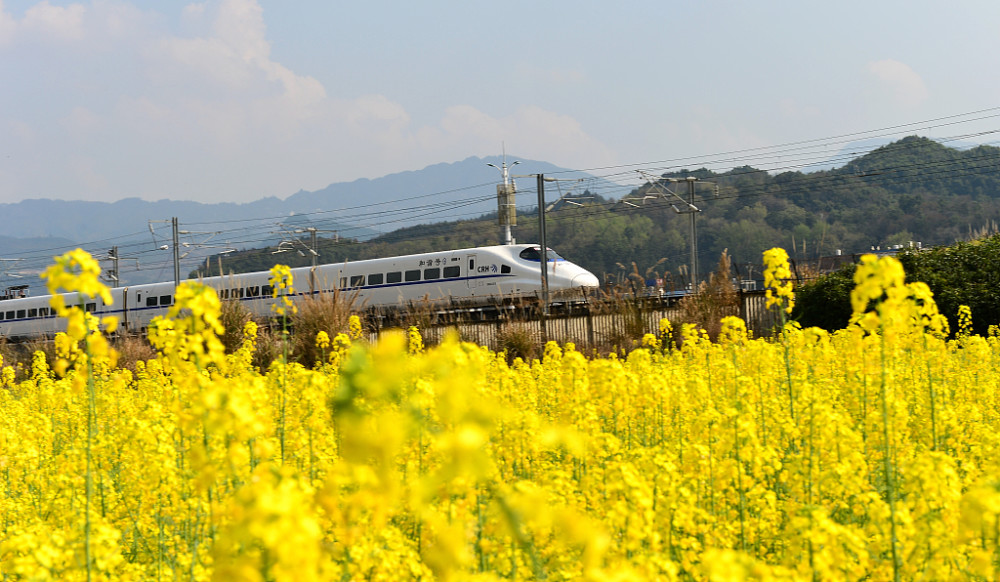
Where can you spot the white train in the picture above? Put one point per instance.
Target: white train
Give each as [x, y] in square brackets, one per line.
[466, 276]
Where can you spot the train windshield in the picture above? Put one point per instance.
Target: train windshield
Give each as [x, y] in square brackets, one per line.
[535, 254]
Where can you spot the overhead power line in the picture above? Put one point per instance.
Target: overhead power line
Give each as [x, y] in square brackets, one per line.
[786, 157]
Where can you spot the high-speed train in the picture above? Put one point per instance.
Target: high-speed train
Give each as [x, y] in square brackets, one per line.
[466, 276]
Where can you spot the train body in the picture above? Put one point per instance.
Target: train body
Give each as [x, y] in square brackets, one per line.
[468, 276]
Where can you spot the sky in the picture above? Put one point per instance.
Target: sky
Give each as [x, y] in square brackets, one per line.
[236, 100]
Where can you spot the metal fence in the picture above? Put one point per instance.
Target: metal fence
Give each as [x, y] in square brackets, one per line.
[592, 325]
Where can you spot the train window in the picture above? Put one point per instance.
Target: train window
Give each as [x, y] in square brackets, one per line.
[33, 313]
[224, 294]
[165, 299]
[357, 280]
[239, 292]
[10, 315]
[531, 254]
[253, 291]
[452, 271]
[90, 307]
[472, 265]
[20, 313]
[535, 254]
[375, 279]
[394, 277]
[267, 291]
[43, 312]
[412, 275]
[504, 268]
[151, 302]
[430, 274]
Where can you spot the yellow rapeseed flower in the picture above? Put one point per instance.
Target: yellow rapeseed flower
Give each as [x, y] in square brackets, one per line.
[778, 279]
[281, 283]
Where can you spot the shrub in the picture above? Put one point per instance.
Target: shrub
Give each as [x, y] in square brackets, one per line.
[328, 312]
[517, 341]
[233, 316]
[716, 298]
[966, 273]
[825, 302]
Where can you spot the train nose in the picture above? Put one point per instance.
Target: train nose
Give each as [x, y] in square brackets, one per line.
[585, 280]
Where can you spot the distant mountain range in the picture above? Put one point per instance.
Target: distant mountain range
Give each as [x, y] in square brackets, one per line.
[915, 189]
[358, 209]
[911, 192]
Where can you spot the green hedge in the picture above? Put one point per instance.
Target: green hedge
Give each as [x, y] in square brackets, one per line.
[966, 273]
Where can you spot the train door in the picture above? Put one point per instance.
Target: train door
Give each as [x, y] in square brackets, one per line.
[124, 319]
[471, 278]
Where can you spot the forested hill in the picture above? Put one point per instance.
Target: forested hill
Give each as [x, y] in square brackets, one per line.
[914, 189]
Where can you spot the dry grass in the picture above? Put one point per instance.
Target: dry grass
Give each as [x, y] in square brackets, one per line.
[327, 312]
[518, 341]
[233, 316]
[716, 298]
[132, 349]
[268, 349]
[18, 357]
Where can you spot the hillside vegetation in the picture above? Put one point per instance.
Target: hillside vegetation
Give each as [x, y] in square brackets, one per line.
[911, 190]
[965, 273]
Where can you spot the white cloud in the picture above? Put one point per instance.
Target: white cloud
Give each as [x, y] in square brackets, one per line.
[55, 22]
[7, 26]
[207, 113]
[240, 25]
[904, 84]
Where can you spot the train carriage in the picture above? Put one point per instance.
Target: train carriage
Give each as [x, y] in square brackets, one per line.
[469, 276]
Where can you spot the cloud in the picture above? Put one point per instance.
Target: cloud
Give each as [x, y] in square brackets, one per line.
[7, 26]
[903, 83]
[206, 112]
[55, 22]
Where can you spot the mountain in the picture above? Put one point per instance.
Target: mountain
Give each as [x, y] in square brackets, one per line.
[857, 149]
[357, 210]
[15, 246]
[912, 191]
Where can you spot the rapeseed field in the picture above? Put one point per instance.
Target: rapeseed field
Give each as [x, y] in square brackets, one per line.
[872, 453]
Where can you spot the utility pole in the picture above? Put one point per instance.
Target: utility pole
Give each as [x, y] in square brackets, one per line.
[545, 248]
[693, 213]
[689, 208]
[177, 256]
[506, 210]
[176, 244]
[113, 255]
[544, 251]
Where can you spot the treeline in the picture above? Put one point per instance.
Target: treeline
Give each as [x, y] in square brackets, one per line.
[911, 190]
[965, 273]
